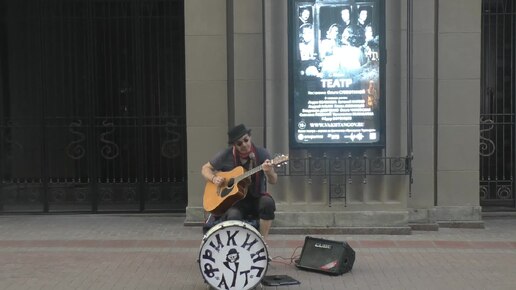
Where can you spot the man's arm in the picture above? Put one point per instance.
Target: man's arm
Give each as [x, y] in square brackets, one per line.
[268, 169]
[208, 172]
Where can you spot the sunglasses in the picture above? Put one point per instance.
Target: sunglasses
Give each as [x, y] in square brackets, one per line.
[239, 143]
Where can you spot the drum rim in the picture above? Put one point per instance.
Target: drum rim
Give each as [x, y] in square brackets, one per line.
[232, 222]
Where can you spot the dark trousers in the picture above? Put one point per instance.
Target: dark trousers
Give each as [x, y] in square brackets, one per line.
[262, 207]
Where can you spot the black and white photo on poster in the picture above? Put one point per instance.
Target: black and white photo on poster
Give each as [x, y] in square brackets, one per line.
[335, 73]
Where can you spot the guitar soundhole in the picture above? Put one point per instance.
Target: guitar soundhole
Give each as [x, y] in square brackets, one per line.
[228, 189]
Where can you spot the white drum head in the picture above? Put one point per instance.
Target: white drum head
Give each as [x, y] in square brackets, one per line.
[233, 255]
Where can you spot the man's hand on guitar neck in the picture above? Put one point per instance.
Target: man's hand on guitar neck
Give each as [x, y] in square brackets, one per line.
[268, 169]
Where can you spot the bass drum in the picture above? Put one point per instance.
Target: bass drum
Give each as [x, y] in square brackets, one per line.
[233, 255]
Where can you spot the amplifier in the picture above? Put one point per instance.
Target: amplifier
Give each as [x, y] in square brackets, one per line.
[326, 256]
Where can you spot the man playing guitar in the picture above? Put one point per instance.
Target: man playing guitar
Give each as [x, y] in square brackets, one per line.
[253, 196]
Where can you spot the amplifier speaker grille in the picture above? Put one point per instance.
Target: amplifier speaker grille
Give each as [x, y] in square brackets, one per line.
[326, 256]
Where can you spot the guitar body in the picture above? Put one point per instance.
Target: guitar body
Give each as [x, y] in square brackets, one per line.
[218, 199]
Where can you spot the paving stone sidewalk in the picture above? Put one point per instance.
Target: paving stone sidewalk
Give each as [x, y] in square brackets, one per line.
[158, 252]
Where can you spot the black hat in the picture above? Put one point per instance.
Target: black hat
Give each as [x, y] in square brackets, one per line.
[237, 132]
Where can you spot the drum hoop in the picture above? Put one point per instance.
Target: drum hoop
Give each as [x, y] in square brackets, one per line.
[230, 223]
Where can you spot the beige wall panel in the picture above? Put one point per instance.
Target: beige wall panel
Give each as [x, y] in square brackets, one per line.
[296, 190]
[395, 191]
[459, 102]
[460, 16]
[276, 74]
[395, 124]
[374, 189]
[198, 154]
[305, 219]
[395, 129]
[396, 15]
[249, 102]
[248, 16]
[403, 117]
[422, 189]
[341, 216]
[195, 188]
[311, 190]
[459, 55]
[206, 91]
[396, 41]
[424, 16]
[207, 104]
[248, 56]
[205, 17]
[355, 191]
[206, 58]
[423, 58]
[424, 154]
[279, 191]
[458, 112]
[394, 82]
[459, 148]
[458, 188]
[401, 67]
[276, 42]
[317, 190]
[423, 102]
[277, 116]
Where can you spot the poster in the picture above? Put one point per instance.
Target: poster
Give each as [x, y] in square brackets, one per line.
[336, 72]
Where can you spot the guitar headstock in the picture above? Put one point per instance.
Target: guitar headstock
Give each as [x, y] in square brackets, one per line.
[279, 160]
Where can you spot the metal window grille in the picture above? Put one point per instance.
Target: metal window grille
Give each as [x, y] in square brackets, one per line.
[93, 104]
[497, 107]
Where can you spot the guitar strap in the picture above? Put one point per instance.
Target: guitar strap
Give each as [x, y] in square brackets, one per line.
[236, 162]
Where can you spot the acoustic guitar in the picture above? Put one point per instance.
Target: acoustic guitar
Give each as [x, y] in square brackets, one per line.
[219, 198]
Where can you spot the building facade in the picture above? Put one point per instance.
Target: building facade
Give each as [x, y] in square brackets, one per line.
[114, 106]
[237, 66]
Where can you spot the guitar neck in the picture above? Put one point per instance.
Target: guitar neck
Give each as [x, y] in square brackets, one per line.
[276, 161]
[249, 173]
